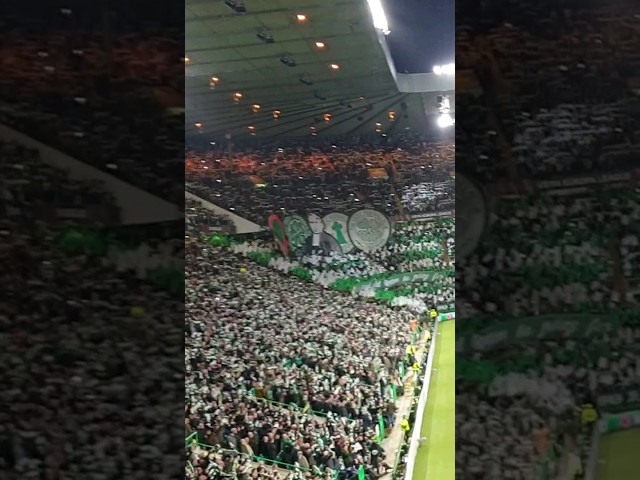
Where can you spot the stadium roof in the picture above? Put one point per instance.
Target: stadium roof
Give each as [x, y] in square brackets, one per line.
[224, 56]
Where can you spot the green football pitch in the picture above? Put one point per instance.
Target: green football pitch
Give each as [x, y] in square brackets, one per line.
[435, 459]
[618, 457]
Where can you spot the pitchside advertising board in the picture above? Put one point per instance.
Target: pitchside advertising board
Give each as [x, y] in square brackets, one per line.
[446, 311]
[620, 410]
[620, 421]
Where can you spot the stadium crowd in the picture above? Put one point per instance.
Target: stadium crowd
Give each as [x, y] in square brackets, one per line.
[101, 94]
[531, 398]
[556, 97]
[559, 88]
[307, 400]
[310, 396]
[198, 218]
[46, 186]
[71, 353]
[343, 176]
[567, 255]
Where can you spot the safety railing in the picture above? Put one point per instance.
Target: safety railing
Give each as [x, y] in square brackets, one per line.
[380, 427]
[189, 440]
[288, 406]
[257, 459]
[192, 439]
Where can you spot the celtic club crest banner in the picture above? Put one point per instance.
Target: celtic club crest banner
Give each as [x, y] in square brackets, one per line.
[277, 228]
[297, 231]
[336, 225]
[369, 230]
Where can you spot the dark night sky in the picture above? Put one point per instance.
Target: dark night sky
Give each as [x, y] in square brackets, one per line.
[422, 33]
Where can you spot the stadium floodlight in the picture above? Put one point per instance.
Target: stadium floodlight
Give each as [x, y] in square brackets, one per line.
[445, 120]
[448, 69]
[379, 18]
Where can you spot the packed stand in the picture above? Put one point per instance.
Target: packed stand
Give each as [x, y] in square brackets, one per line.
[556, 99]
[199, 218]
[415, 247]
[69, 319]
[628, 203]
[559, 86]
[110, 110]
[572, 254]
[558, 256]
[540, 389]
[423, 198]
[323, 177]
[30, 185]
[329, 368]
[216, 464]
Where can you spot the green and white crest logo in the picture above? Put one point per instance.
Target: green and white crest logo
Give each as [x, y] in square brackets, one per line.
[297, 230]
[369, 230]
[336, 225]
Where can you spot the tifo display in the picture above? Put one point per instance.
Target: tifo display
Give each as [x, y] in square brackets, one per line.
[365, 230]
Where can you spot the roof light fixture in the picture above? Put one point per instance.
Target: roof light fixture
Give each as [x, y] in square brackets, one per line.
[445, 120]
[265, 37]
[288, 61]
[448, 69]
[236, 5]
[379, 18]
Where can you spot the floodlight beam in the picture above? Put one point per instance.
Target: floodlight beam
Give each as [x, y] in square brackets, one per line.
[379, 18]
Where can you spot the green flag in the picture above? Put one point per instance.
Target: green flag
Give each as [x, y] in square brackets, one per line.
[361, 475]
[381, 429]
